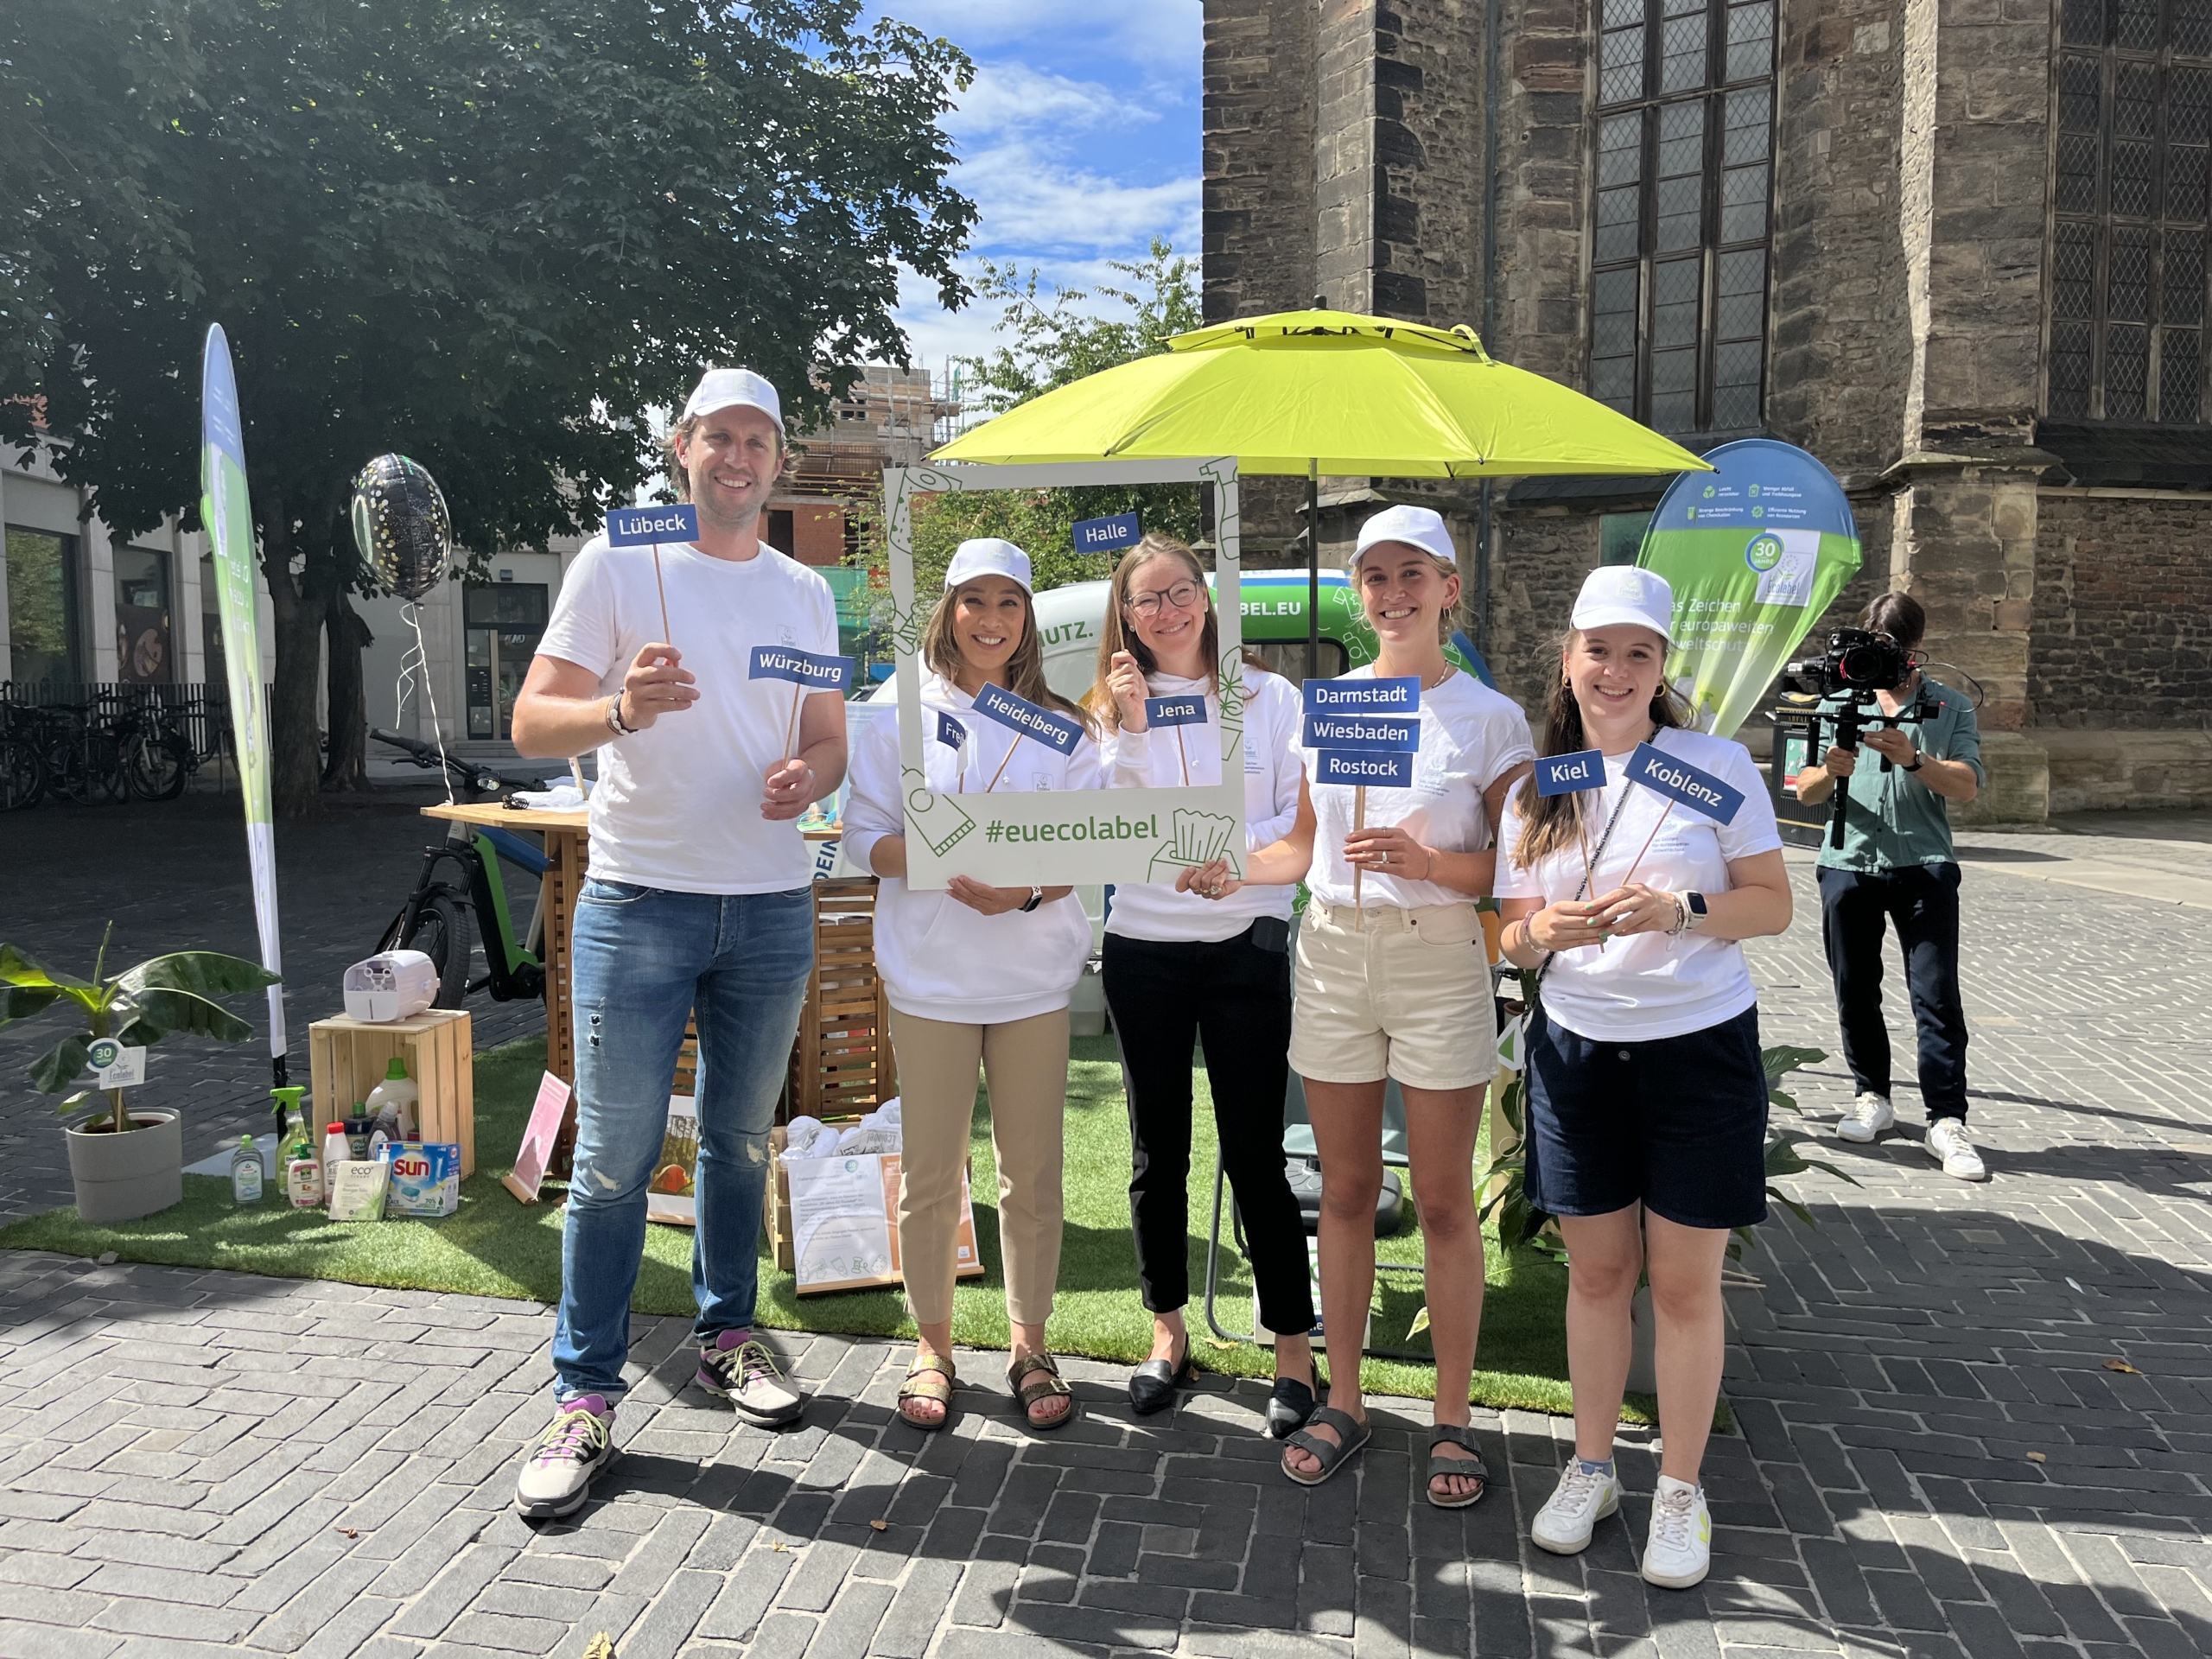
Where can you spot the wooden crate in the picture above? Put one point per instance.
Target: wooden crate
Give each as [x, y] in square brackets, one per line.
[347, 1057]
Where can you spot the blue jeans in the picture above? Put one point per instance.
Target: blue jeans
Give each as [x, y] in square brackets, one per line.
[644, 959]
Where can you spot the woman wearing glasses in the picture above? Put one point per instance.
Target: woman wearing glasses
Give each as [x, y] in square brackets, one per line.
[1179, 969]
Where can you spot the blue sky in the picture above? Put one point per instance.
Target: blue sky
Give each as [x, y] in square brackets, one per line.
[1078, 141]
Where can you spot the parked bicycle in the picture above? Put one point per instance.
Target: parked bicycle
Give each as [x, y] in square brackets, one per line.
[459, 881]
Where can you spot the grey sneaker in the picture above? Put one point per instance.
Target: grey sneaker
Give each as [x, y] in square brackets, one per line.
[557, 1476]
[739, 1368]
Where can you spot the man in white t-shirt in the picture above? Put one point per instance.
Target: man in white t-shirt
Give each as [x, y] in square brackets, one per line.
[699, 901]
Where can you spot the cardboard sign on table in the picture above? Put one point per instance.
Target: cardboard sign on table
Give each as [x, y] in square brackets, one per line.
[845, 1224]
[1020, 837]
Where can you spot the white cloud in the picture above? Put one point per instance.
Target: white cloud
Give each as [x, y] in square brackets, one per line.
[1140, 30]
[1031, 202]
[1009, 97]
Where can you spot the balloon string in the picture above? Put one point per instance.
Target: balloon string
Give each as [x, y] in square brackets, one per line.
[414, 669]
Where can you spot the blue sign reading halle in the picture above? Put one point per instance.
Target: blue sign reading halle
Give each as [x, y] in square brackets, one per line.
[1569, 774]
[1175, 711]
[645, 526]
[1679, 781]
[801, 668]
[1374, 769]
[950, 732]
[1360, 696]
[1382, 732]
[1107, 535]
[1060, 731]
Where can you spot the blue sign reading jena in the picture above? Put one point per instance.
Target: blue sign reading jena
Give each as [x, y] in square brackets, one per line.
[1175, 711]
[1375, 769]
[1569, 774]
[801, 668]
[1383, 731]
[1107, 535]
[644, 526]
[1363, 696]
[1679, 781]
[1055, 731]
[950, 732]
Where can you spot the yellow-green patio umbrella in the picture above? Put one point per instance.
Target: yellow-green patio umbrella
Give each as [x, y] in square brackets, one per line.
[1319, 391]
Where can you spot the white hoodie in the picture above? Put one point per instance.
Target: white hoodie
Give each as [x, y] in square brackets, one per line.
[1274, 766]
[941, 960]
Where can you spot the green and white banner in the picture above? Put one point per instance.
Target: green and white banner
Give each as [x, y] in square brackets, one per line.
[1050, 837]
[227, 516]
[1755, 550]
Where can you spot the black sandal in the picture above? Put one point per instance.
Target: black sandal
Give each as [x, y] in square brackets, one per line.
[1025, 1399]
[1153, 1385]
[1467, 1468]
[1291, 1405]
[1352, 1435]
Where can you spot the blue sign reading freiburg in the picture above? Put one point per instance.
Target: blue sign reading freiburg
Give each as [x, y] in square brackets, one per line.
[950, 732]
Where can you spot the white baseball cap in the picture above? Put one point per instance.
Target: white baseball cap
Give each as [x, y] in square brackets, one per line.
[1420, 527]
[729, 388]
[987, 556]
[1614, 595]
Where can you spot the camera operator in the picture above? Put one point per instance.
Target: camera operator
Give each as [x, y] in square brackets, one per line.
[1896, 864]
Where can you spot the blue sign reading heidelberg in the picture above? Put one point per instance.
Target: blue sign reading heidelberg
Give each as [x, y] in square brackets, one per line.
[1175, 711]
[1570, 774]
[1375, 769]
[801, 668]
[1679, 781]
[1060, 731]
[644, 526]
[1107, 535]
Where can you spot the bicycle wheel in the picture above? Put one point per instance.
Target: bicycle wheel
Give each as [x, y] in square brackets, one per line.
[67, 775]
[441, 932]
[23, 775]
[155, 766]
[104, 765]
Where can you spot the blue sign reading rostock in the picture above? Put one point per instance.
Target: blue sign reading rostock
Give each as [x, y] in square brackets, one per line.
[1363, 696]
[1107, 535]
[1681, 782]
[1568, 774]
[1060, 731]
[801, 668]
[1365, 732]
[1175, 711]
[1365, 768]
[645, 526]
[950, 732]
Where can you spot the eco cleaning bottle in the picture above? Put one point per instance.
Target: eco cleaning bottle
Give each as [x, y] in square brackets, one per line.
[245, 1172]
[395, 1104]
[303, 1174]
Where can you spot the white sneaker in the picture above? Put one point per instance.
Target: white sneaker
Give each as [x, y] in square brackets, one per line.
[1869, 1116]
[1680, 1552]
[1947, 1145]
[1577, 1504]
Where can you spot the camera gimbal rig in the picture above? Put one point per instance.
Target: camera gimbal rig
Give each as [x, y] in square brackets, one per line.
[1856, 665]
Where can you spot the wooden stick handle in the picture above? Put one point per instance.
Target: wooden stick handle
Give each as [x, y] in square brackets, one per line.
[1646, 848]
[1183, 756]
[791, 731]
[1001, 772]
[662, 587]
[1359, 821]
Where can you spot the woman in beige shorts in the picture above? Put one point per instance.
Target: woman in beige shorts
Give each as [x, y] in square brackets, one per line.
[1393, 983]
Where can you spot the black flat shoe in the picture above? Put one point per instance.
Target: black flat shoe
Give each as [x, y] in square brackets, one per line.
[1292, 1404]
[1153, 1384]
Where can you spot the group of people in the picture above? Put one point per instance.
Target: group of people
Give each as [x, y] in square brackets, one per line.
[1647, 1095]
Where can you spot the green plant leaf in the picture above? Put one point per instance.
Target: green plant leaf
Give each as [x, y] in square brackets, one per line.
[1781, 1157]
[82, 1098]
[1781, 1060]
[16, 969]
[1778, 1098]
[152, 1013]
[200, 973]
[21, 1001]
[60, 1065]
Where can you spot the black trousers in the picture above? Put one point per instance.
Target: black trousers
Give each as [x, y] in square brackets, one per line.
[1922, 902]
[1235, 996]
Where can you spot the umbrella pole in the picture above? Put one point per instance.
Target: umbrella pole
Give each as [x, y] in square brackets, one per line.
[1313, 568]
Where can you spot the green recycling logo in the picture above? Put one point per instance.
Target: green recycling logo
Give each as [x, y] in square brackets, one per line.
[1763, 553]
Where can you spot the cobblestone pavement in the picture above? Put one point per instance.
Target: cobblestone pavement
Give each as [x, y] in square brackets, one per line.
[173, 876]
[1933, 1456]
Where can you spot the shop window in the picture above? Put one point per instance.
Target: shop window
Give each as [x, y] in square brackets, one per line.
[145, 647]
[504, 623]
[42, 606]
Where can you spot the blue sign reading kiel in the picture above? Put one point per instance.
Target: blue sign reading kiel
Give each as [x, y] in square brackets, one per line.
[1107, 535]
[644, 526]
[1569, 774]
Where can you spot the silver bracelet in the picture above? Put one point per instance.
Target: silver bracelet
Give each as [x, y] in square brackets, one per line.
[1682, 916]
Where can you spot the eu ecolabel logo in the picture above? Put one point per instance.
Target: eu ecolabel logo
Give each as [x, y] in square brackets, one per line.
[1763, 553]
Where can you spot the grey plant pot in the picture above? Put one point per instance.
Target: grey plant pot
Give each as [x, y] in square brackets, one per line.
[123, 1177]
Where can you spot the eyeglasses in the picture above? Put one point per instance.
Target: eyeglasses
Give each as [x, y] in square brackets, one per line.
[1182, 597]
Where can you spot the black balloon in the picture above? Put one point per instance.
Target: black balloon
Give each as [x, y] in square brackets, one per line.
[401, 524]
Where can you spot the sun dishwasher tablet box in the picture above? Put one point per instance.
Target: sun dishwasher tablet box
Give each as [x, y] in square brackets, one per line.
[425, 1179]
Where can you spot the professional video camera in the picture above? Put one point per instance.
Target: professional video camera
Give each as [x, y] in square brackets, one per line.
[1856, 665]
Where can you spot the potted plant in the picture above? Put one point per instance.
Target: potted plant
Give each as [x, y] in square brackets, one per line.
[125, 1164]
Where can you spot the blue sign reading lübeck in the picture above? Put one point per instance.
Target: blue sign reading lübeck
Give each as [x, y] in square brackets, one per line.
[646, 526]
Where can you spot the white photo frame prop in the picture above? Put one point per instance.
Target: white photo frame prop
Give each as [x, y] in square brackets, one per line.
[1048, 837]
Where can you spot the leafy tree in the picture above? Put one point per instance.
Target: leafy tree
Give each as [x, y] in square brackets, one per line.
[1046, 339]
[492, 234]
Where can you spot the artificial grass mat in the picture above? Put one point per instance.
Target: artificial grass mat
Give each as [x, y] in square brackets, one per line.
[493, 1246]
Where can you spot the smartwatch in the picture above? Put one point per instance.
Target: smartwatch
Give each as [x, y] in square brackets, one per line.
[1694, 912]
[1036, 897]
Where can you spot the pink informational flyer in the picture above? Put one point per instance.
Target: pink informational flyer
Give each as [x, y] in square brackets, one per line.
[538, 1140]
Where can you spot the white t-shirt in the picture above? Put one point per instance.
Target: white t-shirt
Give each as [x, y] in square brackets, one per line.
[1649, 985]
[677, 806]
[1273, 766]
[940, 959]
[1469, 737]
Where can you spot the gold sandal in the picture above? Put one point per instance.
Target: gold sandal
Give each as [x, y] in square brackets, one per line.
[1026, 1400]
[930, 1377]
